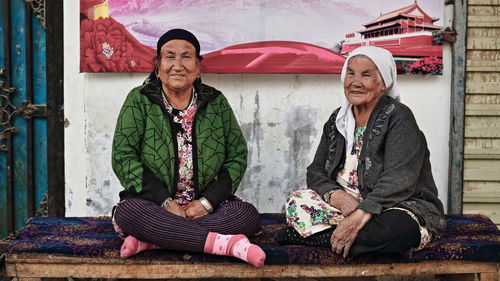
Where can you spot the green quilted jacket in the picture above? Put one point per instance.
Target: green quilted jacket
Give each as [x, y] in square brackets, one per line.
[144, 156]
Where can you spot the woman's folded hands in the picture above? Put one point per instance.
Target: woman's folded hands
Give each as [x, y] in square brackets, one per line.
[195, 210]
[176, 209]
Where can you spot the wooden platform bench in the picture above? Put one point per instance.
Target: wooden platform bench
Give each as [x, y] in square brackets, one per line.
[88, 248]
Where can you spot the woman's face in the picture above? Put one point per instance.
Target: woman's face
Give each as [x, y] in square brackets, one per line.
[363, 84]
[178, 66]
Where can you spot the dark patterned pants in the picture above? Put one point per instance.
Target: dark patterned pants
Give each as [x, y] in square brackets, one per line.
[150, 223]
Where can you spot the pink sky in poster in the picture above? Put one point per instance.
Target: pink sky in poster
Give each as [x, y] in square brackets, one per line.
[252, 36]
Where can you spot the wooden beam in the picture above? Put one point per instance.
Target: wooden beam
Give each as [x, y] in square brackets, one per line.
[477, 146]
[483, 104]
[55, 108]
[26, 279]
[488, 209]
[457, 108]
[483, 60]
[484, 2]
[483, 38]
[48, 266]
[481, 192]
[483, 43]
[459, 277]
[482, 170]
[482, 110]
[484, 68]
[483, 87]
[484, 11]
[482, 156]
[482, 127]
[483, 16]
[482, 76]
[481, 199]
[474, 33]
[484, 21]
[489, 276]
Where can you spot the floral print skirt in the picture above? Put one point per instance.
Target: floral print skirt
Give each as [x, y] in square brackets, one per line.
[308, 213]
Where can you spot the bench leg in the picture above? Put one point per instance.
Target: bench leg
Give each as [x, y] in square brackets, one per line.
[489, 276]
[457, 277]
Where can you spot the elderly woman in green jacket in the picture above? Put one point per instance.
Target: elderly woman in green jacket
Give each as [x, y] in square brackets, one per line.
[370, 185]
[180, 155]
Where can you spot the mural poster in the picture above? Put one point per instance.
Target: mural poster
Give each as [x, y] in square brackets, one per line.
[262, 36]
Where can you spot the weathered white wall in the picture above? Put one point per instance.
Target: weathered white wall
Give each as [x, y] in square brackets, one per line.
[281, 116]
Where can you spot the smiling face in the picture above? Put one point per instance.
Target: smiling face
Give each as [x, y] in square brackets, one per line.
[178, 66]
[363, 84]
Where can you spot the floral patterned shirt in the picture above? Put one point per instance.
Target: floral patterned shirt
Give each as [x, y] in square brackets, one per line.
[348, 176]
[184, 135]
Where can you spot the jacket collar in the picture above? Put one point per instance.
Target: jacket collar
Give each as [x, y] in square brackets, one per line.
[384, 100]
[382, 110]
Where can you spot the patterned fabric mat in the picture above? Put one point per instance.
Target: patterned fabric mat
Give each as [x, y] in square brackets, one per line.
[467, 237]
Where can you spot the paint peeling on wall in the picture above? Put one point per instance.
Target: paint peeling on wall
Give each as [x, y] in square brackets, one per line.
[281, 126]
[102, 185]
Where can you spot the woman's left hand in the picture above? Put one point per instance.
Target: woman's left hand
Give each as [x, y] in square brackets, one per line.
[346, 232]
[195, 210]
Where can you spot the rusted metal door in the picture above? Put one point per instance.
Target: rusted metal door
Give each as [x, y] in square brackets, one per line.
[23, 124]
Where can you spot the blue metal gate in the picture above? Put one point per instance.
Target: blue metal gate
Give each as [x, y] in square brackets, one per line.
[23, 124]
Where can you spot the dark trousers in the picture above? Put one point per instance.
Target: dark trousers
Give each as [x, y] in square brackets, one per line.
[393, 231]
[150, 223]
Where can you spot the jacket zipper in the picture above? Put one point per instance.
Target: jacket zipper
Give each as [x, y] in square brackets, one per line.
[175, 180]
[194, 155]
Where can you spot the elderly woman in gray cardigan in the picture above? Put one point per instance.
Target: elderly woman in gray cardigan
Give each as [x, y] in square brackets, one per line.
[370, 186]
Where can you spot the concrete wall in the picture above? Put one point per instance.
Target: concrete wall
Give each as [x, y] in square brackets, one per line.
[281, 116]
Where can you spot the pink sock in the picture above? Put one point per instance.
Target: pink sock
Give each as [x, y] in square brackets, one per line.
[235, 246]
[132, 246]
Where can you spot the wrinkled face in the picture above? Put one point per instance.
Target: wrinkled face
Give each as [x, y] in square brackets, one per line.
[363, 84]
[178, 65]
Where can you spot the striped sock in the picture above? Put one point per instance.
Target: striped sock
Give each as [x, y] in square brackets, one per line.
[132, 246]
[235, 246]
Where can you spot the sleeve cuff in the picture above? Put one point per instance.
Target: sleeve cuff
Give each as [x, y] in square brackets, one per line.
[152, 188]
[370, 207]
[215, 199]
[219, 189]
[327, 195]
[330, 189]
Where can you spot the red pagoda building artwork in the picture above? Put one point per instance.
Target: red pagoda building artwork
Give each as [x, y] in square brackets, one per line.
[408, 34]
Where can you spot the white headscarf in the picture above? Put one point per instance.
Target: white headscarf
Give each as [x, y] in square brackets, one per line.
[387, 67]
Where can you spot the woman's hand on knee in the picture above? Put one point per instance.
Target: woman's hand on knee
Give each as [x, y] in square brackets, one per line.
[195, 210]
[346, 232]
[176, 209]
[343, 201]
